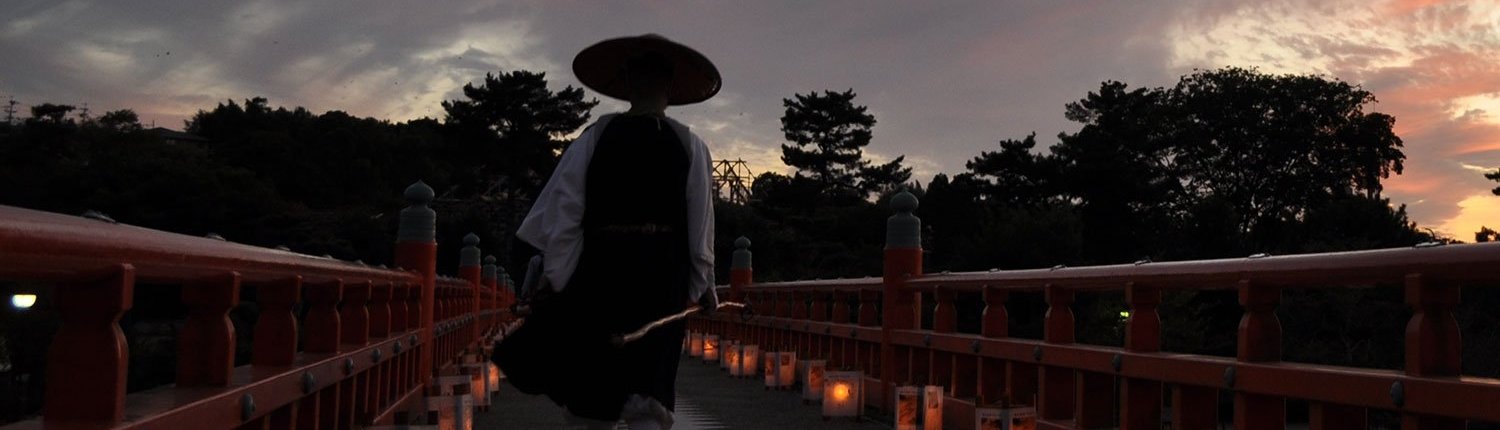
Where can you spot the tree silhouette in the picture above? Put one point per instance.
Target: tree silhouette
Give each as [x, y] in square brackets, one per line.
[828, 134]
[512, 128]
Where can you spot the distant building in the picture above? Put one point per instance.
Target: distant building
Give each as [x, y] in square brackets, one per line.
[176, 137]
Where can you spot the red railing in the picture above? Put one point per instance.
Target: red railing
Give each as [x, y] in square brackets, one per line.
[371, 341]
[1089, 386]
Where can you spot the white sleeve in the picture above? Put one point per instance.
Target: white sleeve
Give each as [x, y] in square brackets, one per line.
[555, 223]
[700, 207]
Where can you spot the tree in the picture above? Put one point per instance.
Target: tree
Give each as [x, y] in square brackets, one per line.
[1275, 145]
[1014, 175]
[511, 128]
[51, 113]
[828, 134]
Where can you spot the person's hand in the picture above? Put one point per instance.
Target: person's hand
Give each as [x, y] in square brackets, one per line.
[708, 302]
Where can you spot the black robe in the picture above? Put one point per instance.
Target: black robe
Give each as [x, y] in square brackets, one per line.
[634, 269]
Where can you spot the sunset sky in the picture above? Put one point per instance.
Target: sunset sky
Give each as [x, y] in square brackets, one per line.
[945, 80]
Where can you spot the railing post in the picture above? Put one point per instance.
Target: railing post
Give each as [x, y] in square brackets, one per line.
[903, 261]
[840, 306]
[994, 323]
[87, 360]
[416, 249]
[741, 274]
[399, 294]
[276, 329]
[1140, 399]
[945, 316]
[469, 269]
[380, 309]
[1056, 388]
[1259, 342]
[205, 347]
[323, 316]
[1433, 345]
[354, 317]
[487, 278]
[867, 300]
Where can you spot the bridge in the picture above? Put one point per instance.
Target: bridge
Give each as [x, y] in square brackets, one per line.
[404, 347]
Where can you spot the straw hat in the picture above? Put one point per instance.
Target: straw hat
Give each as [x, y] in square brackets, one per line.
[601, 67]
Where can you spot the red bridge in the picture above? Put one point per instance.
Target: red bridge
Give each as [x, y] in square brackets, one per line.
[400, 346]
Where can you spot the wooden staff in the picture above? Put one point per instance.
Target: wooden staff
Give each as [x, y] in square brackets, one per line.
[622, 339]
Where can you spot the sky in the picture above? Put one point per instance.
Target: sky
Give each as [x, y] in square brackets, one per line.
[944, 80]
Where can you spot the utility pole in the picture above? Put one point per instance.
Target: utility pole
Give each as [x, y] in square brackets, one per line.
[10, 110]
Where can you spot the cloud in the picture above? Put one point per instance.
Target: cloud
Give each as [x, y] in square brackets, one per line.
[945, 81]
[1433, 65]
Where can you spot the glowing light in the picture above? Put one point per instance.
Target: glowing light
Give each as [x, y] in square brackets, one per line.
[841, 392]
[23, 301]
[1124, 314]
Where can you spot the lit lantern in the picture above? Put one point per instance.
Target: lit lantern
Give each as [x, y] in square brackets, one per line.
[493, 373]
[711, 348]
[932, 410]
[779, 368]
[22, 301]
[907, 399]
[749, 358]
[727, 349]
[454, 408]
[731, 357]
[1005, 418]
[812, 379]
[787, 368]
[768, 369]
[843, 395]
[695, 344]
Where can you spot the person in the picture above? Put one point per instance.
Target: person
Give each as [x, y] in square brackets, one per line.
[625, 231]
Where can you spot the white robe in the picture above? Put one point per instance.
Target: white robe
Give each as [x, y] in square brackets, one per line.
[555, 223]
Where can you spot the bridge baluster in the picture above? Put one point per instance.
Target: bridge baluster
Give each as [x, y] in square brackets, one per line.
[841, 306]
[820, 305]
[944, 316]
[994, 324]
[1433, 343]
[354, 318]
[205, 347]
[1057, 383]
[399, 293]
[87, 360]
[1259, 342]
[1140, 399]
[276, 329]
[380, 309]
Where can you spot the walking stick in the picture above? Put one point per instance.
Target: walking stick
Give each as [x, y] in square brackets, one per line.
[620, 340]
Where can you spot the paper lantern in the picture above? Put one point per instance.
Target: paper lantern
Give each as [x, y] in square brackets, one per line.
[907, 399]
[779, 369]
[695, 344]
[711, 348]
[731, 361]
[1005, 418]
[768, 370]
[749, 358]
[493, 373]
[812, 380]
[843, 394]
[786, 367]
[932, 407]
[726, 349]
